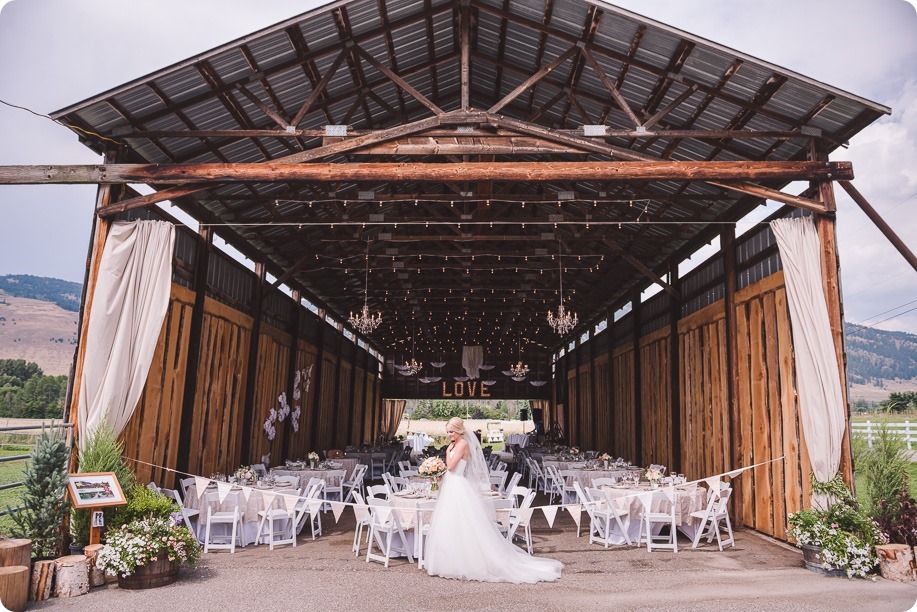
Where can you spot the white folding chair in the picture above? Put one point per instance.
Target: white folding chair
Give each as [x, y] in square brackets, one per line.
[381, 491]
[355, 483]
[280, 523]
[711, 516]
[518, 494]
[152, 486]
[521, 517]
[497, 481]
[231, 518]
[554, 483]
[361, 512]
[190, 516]
[650, 518]
[185, 485]
[604, 511]
[422, 529]
[536, 474]
[567, 478]
[408, 473]
[513, 482]
[404, 465]
[498, 466]
[334, 486]
[308, 508]
[384, 527]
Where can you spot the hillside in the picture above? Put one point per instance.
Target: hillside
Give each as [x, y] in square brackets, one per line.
[63, 293]
[39, 331]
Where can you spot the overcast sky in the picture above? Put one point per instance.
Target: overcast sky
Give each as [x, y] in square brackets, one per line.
[54, 53]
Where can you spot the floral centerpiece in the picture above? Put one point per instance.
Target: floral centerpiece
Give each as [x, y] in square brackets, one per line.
[605, 458]
[654, 474]
[840, 537]
[245, 475]
[146, 542]
[432, 468]
[313, 458]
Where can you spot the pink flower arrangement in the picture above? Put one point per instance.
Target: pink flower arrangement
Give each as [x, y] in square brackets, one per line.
[432, 467]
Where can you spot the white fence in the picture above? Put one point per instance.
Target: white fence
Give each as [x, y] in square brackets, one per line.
[906, 430]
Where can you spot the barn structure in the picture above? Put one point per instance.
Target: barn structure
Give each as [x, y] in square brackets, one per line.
[462, 167]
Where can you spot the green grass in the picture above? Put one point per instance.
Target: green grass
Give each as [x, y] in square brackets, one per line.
[11, 471]
[887, 417]
[911, 482]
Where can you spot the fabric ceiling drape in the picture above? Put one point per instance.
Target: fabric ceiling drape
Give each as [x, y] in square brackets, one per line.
[392, 411]
[472, 358]
[128, 307]
[821, 400]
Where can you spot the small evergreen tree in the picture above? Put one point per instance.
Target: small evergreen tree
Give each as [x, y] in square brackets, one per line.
[43, 502]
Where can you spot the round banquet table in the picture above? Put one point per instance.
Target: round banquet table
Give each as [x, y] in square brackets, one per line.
[691, 498]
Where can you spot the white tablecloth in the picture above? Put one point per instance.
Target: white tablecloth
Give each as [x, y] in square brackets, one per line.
[249, 508]
[521, 439]
[690, 499]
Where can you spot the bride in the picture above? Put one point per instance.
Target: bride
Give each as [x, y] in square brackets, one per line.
[464, 541]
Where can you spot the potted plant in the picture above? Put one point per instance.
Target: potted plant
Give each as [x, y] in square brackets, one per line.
[148, 552]
[44, 504]
[837, 540]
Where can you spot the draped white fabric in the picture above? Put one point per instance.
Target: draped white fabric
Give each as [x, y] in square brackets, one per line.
[128, 307]
[821, 401]
[472, 358]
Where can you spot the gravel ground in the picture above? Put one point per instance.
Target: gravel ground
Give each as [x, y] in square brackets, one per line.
[758, 574]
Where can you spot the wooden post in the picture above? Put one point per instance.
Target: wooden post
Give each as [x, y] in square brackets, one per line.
[895, 562]
[638, 404]
[674, 378]
[201, 264]
[317, 378]
[14, 587]
[728, 250]
[251, 373]
[292, 363]
[610, 382]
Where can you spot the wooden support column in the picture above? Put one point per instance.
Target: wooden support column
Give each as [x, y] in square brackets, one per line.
[674, 377]
[610, 382]
[353, 392]
[291, 368]
[465, 41]
[106, 194]
[201, 263]
[336, 392]
[728, 250]
[593, 408]
[317, 377]
[251, 373]
[636, 309]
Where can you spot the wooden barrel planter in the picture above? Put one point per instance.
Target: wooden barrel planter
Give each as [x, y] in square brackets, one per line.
[157, 573]
[815, 563]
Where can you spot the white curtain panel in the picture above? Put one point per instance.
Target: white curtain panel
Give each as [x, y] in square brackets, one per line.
[472, 358]
[128, 307]
[821, 401]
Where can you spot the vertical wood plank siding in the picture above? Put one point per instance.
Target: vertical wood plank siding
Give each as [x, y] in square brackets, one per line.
[270, 382]
[769, 421]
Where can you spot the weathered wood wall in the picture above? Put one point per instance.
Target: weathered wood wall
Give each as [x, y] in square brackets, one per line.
[769, 424]
[347, 410]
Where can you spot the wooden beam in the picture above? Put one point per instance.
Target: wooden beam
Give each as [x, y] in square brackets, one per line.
[674, 377]
[637, 320]
[879, 222]
[773, 194]
[251, 370]
[669, 108]
[430, 172]
[612, 89]
[733, 410]
[533, 79]
[645, 270]
[397, 80]
[320, 87]
[465, 43]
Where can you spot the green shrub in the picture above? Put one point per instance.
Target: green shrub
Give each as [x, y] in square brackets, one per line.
[883, 469]
[141, 504]
[101, 453]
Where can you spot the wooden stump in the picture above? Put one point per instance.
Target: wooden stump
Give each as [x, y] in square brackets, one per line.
[42, 580]
[96, 576]
[72, 576]
[14, 587]
[895, 562]
[15, 552]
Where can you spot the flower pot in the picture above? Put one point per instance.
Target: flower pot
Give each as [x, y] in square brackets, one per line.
[814, 562]
[76, 549]
[156, 573]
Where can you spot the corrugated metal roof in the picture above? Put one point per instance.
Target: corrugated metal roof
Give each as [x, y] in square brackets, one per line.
[652, 63]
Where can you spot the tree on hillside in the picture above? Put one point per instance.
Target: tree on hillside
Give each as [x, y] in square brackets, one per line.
[19, 369]
[25, 392]
[901, 401]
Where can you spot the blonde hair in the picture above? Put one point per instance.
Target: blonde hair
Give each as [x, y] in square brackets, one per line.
[457, 425]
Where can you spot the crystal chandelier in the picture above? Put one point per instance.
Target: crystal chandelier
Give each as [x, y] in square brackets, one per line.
[364, 322]
[562, 323]
[520, 370]
[413, 366]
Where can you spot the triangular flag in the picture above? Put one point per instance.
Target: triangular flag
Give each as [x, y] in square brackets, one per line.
[713, 483]
[735, 473]
[200, 485]
[576, 512]
[315, 506]
[525, 514]
[246, 493]
[549, 513]
[289, 501]
[223, 489]
[337, 508]
[268, 497]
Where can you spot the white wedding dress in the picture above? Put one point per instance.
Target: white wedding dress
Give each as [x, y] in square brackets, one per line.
[465, 543]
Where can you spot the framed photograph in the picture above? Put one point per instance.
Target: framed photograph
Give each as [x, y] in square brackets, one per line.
[95, 490]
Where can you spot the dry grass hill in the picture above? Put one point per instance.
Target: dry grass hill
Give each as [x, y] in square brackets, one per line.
[39, 331]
